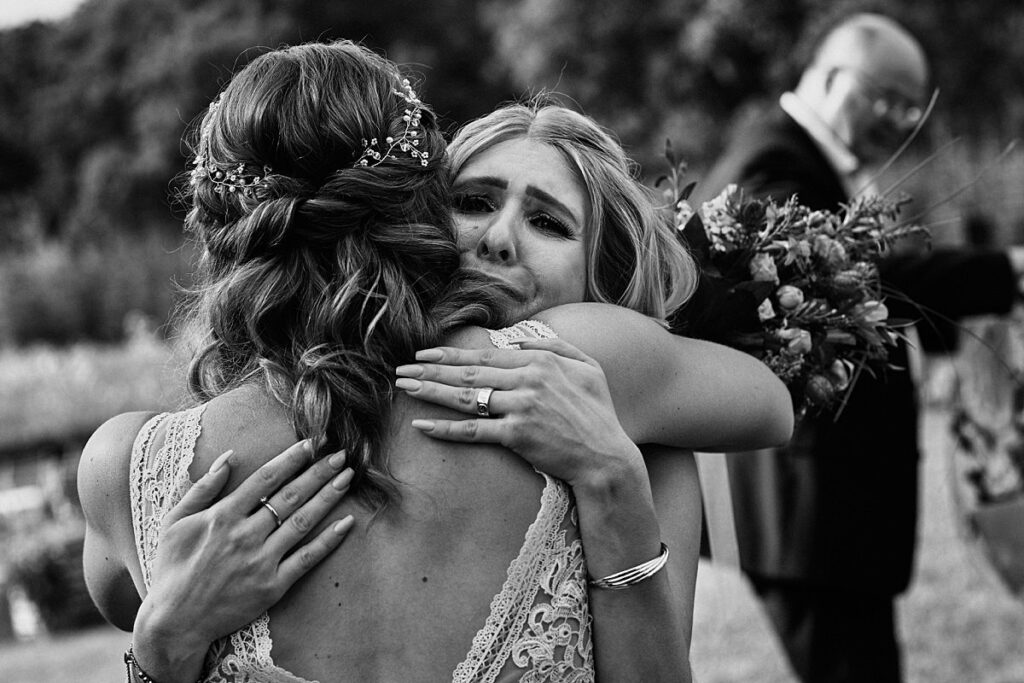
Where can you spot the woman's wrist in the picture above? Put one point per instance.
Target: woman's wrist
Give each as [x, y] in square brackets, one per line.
[605, 474]
[616, 513]
[168, 651]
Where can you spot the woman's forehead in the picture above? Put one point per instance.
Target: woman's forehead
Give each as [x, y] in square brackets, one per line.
[531, 167]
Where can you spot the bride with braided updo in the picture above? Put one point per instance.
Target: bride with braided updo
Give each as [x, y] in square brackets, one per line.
[321, 203]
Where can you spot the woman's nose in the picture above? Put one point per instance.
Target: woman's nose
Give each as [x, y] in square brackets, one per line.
[498, 243]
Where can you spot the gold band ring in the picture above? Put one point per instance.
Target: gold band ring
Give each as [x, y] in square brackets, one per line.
[483, 402]
[266, 503]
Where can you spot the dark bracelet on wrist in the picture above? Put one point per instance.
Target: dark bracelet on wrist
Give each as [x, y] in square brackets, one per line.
[132, 668]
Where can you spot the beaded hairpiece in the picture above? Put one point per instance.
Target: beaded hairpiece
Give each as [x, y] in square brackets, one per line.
[246, 179]
[408, 142]
[233, 177]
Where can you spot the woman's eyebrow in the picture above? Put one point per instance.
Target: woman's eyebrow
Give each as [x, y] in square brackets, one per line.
[490, 181]
[543, 196]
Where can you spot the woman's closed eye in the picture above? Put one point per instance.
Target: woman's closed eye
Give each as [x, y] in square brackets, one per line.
[552, 225]
[474, 203]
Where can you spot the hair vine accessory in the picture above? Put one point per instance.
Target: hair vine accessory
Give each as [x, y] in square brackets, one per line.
[408, 142]
[234, 177]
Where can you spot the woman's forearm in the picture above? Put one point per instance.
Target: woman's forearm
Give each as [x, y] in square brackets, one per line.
[640, 632]
[166, 651]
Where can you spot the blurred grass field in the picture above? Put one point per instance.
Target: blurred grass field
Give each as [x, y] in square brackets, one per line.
[56, 392]
[957, 623]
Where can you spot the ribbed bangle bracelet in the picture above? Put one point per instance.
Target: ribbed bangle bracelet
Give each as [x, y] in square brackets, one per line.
[633, 575]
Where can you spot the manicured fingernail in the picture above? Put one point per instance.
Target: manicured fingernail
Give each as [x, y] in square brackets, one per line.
[342, 526]
[423, 425]
[429, 355]
[338, 459]
[221, 460]
[343, 479]
[409, 370]
[408, 384]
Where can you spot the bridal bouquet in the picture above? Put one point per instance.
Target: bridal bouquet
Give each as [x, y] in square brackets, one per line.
[797, 288]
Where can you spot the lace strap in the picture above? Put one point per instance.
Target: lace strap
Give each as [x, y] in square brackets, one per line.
[531, 329]
[492, 645]
[160, 479]
[137, 485]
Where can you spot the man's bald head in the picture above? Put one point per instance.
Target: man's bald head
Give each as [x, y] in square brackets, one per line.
[867, 80]
[880, 48]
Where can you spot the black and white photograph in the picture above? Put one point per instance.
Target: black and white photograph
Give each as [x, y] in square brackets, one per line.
[493, 341]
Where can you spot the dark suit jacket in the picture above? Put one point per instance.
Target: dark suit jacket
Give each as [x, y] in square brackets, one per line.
[838, 506]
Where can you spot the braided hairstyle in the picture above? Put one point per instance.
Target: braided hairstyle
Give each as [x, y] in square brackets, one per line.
[321, 269]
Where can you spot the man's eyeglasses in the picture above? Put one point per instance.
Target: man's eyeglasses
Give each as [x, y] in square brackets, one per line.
[884, 102]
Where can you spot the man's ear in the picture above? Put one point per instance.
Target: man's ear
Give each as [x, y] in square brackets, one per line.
[830, 78]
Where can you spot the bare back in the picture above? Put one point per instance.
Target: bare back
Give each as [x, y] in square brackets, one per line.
[404, 596]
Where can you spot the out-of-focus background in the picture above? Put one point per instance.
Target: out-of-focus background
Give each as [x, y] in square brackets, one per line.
[95, 97]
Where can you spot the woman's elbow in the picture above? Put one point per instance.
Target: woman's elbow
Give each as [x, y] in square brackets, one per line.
[779, 418]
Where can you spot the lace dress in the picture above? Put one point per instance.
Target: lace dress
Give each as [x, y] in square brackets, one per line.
[538, 629]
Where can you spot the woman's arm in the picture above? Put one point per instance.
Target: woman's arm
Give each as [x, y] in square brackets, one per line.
[219, 564]
[562, 421]
[641, 632]
[666, 389]
[109, 539]
[552, 405]
[675, 391]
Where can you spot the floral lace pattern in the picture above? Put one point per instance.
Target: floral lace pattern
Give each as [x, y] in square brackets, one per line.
[158, 482]
[540, 622]
[531, 329]
[539, 626]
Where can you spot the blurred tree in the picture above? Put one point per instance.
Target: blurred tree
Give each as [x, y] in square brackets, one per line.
[100, 102]
[92, 109]
[684, 68]
[665, 68]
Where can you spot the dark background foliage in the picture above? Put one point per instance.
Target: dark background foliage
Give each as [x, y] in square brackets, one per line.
[93, 108]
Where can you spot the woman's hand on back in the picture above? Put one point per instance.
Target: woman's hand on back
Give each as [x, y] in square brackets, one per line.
[221, 564]
[550, 404]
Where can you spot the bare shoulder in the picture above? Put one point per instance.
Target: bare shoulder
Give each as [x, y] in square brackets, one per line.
[676, 390]
[593, 327]
[103, 470]
[610, 334]
[616, 335]
[248, 421]
[469, 337]
[109, 557]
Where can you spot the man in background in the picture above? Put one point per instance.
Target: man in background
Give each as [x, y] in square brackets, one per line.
[826, 526]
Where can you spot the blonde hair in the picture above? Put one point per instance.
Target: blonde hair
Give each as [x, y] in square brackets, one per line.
[633, 257]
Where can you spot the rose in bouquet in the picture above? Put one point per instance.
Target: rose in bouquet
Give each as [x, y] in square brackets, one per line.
[797, 288]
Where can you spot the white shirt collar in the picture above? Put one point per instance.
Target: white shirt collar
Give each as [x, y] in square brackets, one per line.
[834, 149]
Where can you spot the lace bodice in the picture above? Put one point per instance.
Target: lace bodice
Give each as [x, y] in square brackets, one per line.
[158, 481]
[539, 626]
